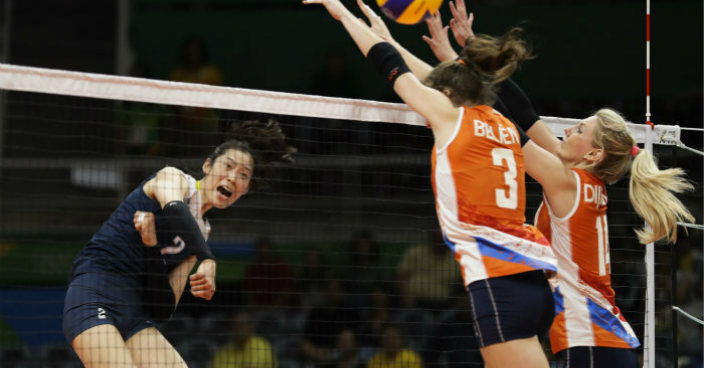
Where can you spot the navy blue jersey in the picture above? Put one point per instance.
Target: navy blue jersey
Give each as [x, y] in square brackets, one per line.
[117, 246]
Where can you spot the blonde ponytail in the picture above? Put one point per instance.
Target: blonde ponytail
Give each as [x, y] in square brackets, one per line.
[652, 193]
[651, 190]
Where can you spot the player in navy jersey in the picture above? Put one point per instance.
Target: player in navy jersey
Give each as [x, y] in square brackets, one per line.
[134, 269]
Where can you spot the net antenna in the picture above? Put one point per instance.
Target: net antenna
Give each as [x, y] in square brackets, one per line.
[70, 83]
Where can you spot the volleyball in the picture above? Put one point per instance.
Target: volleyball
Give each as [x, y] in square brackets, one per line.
[408, 11]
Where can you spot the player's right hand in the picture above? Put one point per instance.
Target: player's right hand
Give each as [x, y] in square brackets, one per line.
[144, 224]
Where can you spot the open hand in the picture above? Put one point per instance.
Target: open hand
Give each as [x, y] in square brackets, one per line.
[144, 224]
[461, 24]
[377, 24]
[439, 41]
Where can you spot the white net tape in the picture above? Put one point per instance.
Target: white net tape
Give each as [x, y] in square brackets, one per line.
[29, 79]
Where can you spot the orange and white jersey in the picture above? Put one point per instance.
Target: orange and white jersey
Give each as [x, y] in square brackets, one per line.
[479, 185]
[585, 311]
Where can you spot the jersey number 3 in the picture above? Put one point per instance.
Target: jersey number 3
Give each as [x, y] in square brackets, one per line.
[506, 199]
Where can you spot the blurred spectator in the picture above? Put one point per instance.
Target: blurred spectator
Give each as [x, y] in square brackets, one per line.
[364, 271]
[394, 354]
[141, 122]
[326, 322]
[195, 66]
[194, 127]
[246, 349]
[375, 317]
[312, 279]
[428, 274]
[269, 280]
[347, 354]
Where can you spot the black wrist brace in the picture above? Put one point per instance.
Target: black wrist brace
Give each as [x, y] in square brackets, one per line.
[180, 222]
[387, 61]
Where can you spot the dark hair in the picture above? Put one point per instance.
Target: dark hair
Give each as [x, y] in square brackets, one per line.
[266, 142]
[484, 62]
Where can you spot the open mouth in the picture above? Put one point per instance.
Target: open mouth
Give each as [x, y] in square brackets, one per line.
[224, 191]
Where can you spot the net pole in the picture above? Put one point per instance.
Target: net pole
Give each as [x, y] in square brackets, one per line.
[647, 63]
[649, 353]
[673, 290]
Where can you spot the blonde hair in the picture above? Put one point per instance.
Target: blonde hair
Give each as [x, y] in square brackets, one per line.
[651, 190]
[484, 62]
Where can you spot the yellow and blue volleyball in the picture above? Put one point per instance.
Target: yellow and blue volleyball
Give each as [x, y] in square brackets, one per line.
[408, 11]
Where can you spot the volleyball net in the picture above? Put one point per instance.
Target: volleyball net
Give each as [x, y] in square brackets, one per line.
[340, 252]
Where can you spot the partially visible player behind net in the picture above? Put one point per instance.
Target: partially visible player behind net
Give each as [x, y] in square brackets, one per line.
[479, 185]
[135, 268]
[589, 329]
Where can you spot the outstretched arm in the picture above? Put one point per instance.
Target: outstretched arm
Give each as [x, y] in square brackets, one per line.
[430, 103]
[418, 67]
[522, 113]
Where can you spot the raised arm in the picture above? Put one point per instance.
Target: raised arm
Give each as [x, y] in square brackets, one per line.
[522, 112]
[418, 67]
[430, 103]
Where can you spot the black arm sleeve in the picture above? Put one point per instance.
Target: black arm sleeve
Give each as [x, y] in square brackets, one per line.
[387, 61]
[522, 134]
[180, 222]
[517, 103]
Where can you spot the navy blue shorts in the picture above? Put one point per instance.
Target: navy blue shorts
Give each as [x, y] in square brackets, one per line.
[95, 299]
[597, 356]
[511, 307]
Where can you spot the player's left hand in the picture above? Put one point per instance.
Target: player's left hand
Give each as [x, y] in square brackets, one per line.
[203, 281]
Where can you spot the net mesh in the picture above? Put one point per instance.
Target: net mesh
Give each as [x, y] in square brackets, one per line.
[336, 259]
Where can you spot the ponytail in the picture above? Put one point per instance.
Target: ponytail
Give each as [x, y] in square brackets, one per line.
[651, 190]
[652, 193]
[483, 63]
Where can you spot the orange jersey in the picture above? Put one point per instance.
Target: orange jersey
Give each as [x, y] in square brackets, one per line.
[479, 186]
[585, 310]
